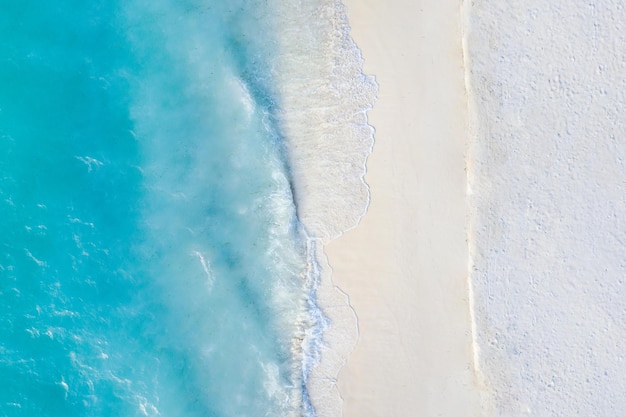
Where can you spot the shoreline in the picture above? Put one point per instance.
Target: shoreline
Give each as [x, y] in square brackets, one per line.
[404, 268]
[325, 95]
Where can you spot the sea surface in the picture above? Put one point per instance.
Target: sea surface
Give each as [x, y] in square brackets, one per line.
[152, 262]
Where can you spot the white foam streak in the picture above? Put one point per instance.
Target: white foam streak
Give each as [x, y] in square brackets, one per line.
[206, 266]
[324, 98]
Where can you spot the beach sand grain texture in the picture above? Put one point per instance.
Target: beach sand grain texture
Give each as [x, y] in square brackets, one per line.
[548, 84]
[405, 266]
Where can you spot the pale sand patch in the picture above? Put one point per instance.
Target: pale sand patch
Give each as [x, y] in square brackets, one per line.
[405, 266]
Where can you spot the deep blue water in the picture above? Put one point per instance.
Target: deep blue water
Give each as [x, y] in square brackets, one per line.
[151, 262]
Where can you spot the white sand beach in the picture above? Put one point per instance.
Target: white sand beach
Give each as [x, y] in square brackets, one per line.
[405, 267]
[544, 135]
[547, 210]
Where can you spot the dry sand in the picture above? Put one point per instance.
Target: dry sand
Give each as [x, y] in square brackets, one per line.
[405, 266]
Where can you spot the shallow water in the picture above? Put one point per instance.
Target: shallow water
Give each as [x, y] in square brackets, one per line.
[151, 259]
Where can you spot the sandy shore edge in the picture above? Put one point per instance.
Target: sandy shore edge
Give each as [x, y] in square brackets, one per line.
[405, 266]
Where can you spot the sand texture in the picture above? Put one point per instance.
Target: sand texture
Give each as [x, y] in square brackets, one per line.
[548, 178]
[405, 267]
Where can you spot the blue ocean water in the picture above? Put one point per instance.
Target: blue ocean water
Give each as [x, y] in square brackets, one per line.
[151, 260]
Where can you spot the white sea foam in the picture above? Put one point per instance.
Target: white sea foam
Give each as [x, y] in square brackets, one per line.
[322, 100]
[90, 162]
[323, 97]
[206, 267]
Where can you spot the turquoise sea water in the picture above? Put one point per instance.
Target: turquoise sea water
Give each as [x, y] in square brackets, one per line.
[151, 261]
